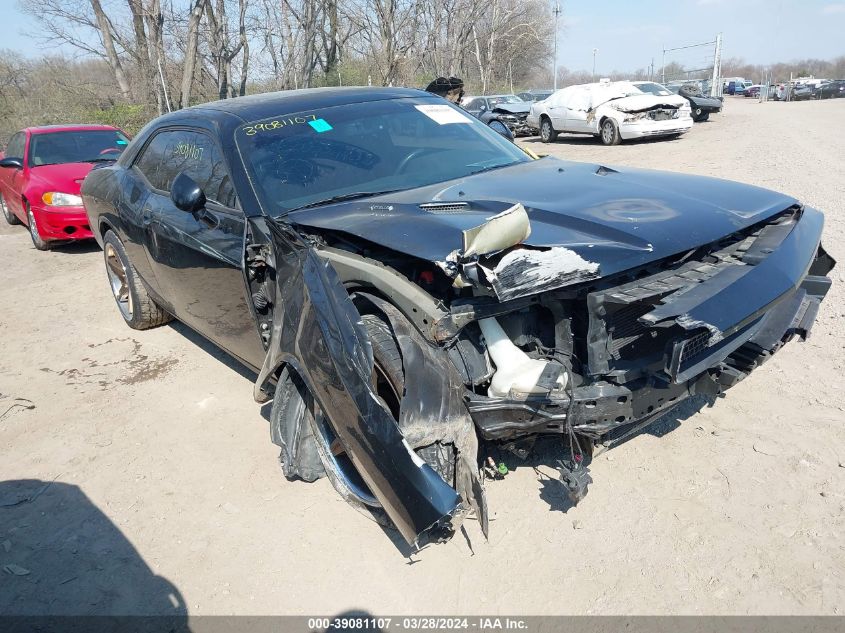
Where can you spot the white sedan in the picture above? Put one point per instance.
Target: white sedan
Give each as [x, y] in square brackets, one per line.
[613, 111]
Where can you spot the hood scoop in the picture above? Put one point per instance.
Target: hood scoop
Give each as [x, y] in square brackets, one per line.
[445, 207]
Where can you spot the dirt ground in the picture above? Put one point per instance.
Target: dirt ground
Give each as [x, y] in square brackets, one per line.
[167, 497]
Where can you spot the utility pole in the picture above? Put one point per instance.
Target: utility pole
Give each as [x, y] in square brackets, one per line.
[557, 11]
[595, 50]
[716, 82]
[663, 66]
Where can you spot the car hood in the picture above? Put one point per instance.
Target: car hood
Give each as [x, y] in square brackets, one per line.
[640, 103]
[619, 218]
[700, 101]
[513, 108]
[66, 178]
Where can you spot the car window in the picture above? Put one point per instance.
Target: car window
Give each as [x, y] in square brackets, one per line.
[16, 146]
[653, 88]
[304, 158]
[494, 101]
[75, 146]
[475, 104]
[172, 152]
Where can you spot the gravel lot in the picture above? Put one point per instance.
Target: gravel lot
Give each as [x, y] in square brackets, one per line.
[167, 496]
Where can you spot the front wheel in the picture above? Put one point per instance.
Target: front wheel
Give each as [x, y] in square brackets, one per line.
[610, 132]
[11, 218]
[137, 308]
[293, 404]
[39, 243]
[548, 134]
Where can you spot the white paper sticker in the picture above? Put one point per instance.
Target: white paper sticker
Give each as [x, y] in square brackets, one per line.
[443, 114]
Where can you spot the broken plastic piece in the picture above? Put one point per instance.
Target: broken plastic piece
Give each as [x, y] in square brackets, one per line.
[576, 477]
[515, 371]
[508, 228]
[525, 271]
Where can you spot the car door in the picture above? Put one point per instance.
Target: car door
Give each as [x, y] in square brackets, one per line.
[577, 111]
[12, 180]
[556, 108]
[197, 257]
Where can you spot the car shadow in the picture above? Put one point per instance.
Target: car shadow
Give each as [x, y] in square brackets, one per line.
[355, 621]
[212, 350]
[77, 247]
[61, 556]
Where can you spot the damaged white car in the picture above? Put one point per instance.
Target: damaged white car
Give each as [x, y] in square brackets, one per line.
[613, 111]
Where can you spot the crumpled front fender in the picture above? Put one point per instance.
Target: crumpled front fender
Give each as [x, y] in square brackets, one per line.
[318, 332]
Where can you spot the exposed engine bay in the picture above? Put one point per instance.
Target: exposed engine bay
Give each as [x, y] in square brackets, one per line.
[543, 344]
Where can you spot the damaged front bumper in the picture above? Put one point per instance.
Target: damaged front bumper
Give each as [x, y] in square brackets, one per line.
[694, 328]
[646, 127]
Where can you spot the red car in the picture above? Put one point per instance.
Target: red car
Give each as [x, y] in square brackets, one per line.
[41, 173]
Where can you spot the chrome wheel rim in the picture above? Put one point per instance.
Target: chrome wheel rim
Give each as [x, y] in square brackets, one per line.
[546, 131]
[33, 229]
[3, 206]
[118, 280]
[607, 132]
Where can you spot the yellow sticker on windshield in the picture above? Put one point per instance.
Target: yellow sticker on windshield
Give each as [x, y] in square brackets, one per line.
[269, 126]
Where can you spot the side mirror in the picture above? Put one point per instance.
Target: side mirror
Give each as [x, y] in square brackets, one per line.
[11, 162]
[186, 194]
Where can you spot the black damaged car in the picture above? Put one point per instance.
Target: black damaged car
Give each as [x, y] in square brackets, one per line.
[407, 284]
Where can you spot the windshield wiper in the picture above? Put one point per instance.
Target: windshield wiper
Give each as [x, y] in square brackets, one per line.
[99, 159]
[491, 167]
[343, 198]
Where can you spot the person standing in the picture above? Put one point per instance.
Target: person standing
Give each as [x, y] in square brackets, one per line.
[450, 88]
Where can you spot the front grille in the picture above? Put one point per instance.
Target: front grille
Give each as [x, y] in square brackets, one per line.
[694, 346]
[624, 329]
[662, 114]
[623, 345]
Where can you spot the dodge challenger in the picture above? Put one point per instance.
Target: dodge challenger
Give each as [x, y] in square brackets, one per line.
[409, 286]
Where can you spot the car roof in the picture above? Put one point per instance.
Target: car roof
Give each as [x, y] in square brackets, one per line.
[69, 127]
[268, 104]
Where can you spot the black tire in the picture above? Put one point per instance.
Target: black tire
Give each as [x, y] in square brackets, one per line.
[11, 218]
[698, 115]
[548, 134]
[137, 308]
[609, 132]
[37, 241]
[292, 399]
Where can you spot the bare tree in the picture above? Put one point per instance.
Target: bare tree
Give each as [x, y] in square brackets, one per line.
[189, 66]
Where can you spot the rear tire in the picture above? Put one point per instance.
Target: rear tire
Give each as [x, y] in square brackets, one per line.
[11, 218]
[610, 132]
[138, 309]
[548, 134]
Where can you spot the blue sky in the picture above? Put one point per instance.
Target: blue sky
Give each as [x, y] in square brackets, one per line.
[628, 34]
